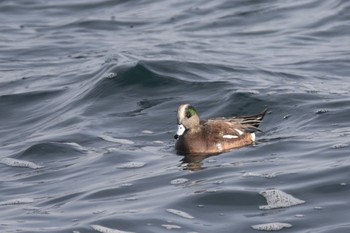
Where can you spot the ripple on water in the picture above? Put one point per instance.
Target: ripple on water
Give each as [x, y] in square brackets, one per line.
[180, 213]
[116, 140]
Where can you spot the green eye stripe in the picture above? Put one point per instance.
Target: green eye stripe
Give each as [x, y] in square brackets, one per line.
[190, 112]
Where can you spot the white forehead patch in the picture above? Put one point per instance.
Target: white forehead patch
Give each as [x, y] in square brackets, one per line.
[181, 112]
[228, 136]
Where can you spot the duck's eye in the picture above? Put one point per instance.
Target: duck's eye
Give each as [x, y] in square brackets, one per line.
[190, 112]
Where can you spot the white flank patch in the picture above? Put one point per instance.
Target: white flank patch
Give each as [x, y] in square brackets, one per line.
[107, 230]
[228, 136]
[219, 146]
[180, 213]
[264, 175]
[253, 136]
[20, 163]
[239, 131]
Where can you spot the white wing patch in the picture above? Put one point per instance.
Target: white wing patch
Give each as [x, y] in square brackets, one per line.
[228, 136]
[239, 131]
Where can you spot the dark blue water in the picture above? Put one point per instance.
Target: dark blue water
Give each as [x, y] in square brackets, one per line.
[88, 97]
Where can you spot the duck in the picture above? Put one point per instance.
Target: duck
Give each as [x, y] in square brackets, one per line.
[213, 136]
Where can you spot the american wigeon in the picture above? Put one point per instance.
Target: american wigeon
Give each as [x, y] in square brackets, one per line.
[197, 137]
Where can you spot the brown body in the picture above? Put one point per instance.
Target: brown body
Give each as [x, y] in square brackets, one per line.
[216, 135]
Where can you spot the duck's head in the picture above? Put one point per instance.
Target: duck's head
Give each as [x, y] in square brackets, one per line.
[187, 119]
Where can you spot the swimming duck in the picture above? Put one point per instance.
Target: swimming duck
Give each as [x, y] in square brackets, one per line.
[197, 137]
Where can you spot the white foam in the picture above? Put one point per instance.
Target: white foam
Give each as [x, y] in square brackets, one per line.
[179, 181]
[147, 131]
[116, 140]
[180, 213]
[264, 175]
[107, 230]
[170, 227]
[132, 165]
[278, 199]
[275, 226]
[158, 142]
[17, 201]
[20, 163]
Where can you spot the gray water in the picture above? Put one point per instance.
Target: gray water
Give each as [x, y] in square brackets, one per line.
[88, 97]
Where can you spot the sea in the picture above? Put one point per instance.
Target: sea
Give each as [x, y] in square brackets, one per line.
[88, 97]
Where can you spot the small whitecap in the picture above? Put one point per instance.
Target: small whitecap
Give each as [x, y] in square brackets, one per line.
[211, 161]
[17, 201]
[158, 142]
[20, 163]
[130, 199]
[112, 149]
[339, 146]
[147, 131]
[111, 75]
[180, 213]
[318, 208]
[132, 165]
[218, 182]
[170, 227]
[179, 181]
[211, 190]
[321, 111]
[299, 215]
[343, 184]
[126, 185]
[107, 230]
[278, 199]
[275, 226]
[264, 175]
[116, 140]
